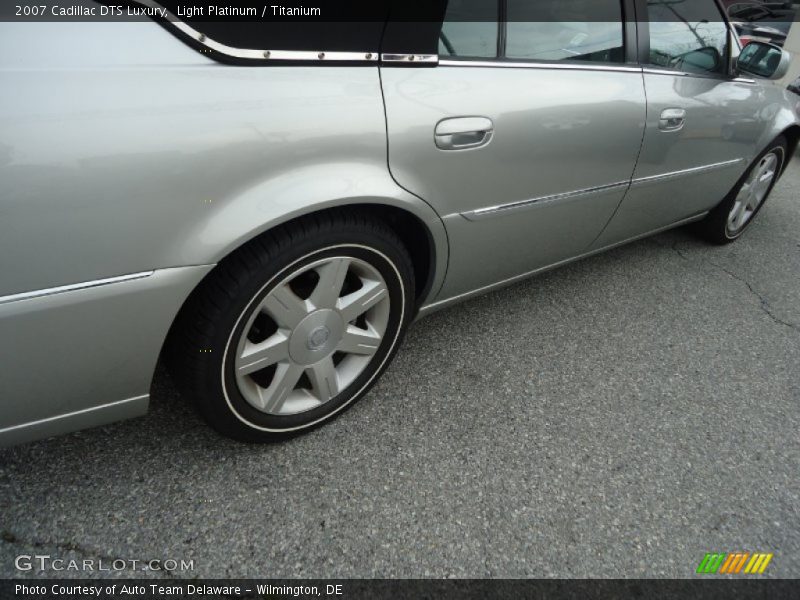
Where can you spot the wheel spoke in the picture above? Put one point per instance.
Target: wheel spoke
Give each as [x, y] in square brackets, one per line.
[324, 380]
[737, 209]
[752, 200]
[331, 280]
[359, 341]
[356, 304]
[761, 186]
[741, 217]
[746, 191]
[258, 356]
[283, 383]
[283, 305]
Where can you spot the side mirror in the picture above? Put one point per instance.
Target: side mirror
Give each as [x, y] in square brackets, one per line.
[764, 60]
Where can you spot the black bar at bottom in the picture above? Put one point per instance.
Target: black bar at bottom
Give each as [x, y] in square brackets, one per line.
[399, 589]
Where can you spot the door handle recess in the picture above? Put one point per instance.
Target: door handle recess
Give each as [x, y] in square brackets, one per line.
[463, 133]
[672, 119]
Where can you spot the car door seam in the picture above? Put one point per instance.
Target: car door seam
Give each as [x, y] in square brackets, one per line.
[431, 293]
[635, 163]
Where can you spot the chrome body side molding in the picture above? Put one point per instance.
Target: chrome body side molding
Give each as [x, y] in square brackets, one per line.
[73, 287]
[505, 209]
[685, 172]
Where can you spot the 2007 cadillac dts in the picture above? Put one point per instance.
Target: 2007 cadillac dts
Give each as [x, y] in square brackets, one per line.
[270, 217]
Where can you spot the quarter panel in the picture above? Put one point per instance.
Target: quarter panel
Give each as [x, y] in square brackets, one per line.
[77, 350]
[122, 150]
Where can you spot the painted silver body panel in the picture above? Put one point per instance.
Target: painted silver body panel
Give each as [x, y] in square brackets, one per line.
[164, 158]
[131, 164]
[688, 171]
[79, 419]
[77, 350]
[450, 301]
[550, 137]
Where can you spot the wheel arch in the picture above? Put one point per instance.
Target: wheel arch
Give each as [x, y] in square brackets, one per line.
[231, 222]
[418, 236]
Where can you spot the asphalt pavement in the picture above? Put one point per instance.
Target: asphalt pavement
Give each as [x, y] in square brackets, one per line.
[619, 417]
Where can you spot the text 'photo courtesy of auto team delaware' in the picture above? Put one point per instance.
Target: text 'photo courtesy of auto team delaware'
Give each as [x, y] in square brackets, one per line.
[533, 263]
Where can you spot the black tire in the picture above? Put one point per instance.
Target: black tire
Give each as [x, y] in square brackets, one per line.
[715, 227]
[213, 319]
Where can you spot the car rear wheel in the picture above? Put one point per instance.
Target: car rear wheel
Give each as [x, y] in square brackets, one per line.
[729, 220]
[295, 327]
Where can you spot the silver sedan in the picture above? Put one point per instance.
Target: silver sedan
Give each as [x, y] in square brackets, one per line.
[269, 220]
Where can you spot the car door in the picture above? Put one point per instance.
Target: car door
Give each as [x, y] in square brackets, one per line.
[525, 134]
[703, 124]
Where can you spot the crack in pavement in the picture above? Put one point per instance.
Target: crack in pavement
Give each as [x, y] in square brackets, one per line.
[86, 552]
[763, 302]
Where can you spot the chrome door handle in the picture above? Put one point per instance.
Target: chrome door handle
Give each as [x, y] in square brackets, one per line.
[463, 133]
[672, 119]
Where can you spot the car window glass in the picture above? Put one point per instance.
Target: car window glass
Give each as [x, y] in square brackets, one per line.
[583, 30]
[470, 29]
[688, 36]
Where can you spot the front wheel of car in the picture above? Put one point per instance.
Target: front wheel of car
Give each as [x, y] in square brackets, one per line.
[729, 220]
[295, 327]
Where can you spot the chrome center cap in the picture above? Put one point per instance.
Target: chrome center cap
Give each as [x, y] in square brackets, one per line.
[316, 337]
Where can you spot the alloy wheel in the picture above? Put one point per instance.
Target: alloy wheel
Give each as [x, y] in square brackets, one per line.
[752, 193]
[312, 335]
